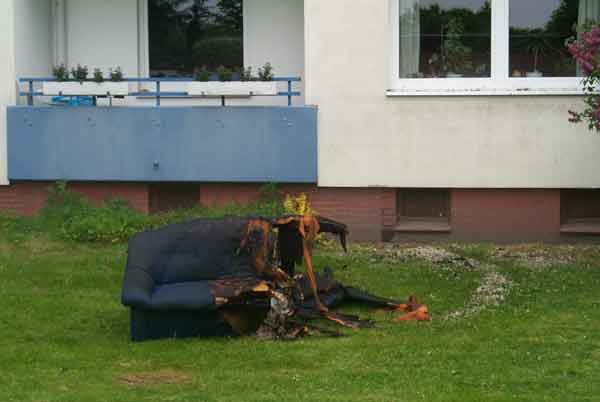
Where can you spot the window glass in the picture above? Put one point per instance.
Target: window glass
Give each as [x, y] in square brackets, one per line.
[186, 35]
[538, 31]
[445, 38]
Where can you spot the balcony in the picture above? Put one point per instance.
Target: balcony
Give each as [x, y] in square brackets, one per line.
[161, 135]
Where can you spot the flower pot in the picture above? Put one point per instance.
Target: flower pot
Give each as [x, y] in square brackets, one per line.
[233, 88]
[535, 74]
[89, 88]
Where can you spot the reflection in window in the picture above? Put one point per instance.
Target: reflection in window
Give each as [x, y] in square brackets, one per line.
[538, 31]
[445, 38]
[186, 35]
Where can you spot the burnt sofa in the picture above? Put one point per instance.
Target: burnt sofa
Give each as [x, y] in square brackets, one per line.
[168, 275]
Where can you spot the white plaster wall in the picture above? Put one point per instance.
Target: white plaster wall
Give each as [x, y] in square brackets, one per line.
[274, 32]
[103, 34]
[368, 139]
[7, 75]
[33, 38]
[33, 41]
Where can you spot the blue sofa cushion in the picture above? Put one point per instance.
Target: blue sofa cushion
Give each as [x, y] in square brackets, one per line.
[182, 296]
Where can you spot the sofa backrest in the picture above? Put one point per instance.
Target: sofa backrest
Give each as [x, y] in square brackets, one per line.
[205, 249]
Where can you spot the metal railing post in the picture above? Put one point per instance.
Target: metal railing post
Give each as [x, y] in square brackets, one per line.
[157, 93]
[30, 95]
[290, 93]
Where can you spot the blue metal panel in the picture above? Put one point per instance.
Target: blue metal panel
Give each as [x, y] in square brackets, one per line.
[199, 144]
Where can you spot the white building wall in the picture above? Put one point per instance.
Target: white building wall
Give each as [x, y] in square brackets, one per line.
[33, 36]
[274, 33]
[103, 34]
[7, 75]
[368, 139]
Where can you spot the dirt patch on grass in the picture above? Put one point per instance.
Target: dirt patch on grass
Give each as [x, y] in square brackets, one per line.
[155, 378]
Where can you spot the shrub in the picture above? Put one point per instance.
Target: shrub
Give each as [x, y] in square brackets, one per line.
[60, 72]
[224, 74]
[70, 216]
[113, 222]
[586, 51]
[203, 75]
[246, 74]
[61, 205]
[98, 76]
[266, 73]
[116, 75]
[79, 73]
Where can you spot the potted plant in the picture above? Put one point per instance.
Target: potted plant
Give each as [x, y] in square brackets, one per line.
[246, 86]
[456, 56]
[78, 83]
[536, 44]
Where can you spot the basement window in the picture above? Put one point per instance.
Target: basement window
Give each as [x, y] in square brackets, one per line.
[423, 210]
[580, 211]
[166, 197]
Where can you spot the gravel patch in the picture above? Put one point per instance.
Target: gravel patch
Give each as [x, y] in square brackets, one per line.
[492, 291]
[432, 254]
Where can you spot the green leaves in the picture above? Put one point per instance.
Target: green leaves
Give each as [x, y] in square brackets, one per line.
[70, 216]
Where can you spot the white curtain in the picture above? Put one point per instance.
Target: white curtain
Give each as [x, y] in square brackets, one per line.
[589, 11]
[410, 38]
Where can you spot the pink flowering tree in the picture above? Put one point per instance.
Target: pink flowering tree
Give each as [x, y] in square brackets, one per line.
[586, 51]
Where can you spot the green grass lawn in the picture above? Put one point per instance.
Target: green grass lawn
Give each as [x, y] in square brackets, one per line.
[65, 335]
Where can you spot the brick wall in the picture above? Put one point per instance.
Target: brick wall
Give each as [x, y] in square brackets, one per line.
[28, 198]
[24, 198]
[365, 211]
[476, 215]
[136, 194]
[506, 215]
[9, 201]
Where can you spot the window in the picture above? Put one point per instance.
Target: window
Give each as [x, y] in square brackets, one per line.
[186, 35]
[580, 211]
[423, 210]
[445, 38]
[538, 31]
[487, 47]
[166, 197]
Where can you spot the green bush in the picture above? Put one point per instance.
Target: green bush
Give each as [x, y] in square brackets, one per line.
[70, 216]
[113, 222]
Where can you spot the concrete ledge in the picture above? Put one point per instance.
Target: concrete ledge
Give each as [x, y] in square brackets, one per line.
[423, 226]
[581, 228]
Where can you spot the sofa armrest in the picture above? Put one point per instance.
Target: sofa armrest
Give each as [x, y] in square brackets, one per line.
[138, 286]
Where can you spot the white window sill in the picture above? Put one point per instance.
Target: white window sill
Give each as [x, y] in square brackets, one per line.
[487, 87]
[486, 92]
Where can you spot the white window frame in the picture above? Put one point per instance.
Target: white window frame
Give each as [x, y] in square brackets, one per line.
[499, 82]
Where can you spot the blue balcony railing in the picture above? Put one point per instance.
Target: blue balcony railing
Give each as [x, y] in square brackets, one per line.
[147, 143]
[158, 94]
